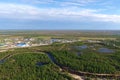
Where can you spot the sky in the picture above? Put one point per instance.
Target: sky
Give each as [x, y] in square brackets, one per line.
[60, 14]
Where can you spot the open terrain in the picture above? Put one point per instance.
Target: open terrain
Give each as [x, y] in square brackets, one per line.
[72, 55]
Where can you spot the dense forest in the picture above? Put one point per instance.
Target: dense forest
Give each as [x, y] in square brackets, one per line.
[89, 62]
[28, 66]
[33, 63]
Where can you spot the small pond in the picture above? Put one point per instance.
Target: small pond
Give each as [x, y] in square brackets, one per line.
[105, 50]
[55, 40]
[21, 44]
[2, 61]
[82, 47]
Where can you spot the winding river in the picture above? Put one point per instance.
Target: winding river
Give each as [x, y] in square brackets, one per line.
[80, 73]
[51, 57]
[75, 74]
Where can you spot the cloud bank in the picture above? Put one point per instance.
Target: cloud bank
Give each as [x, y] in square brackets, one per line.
[20, 11]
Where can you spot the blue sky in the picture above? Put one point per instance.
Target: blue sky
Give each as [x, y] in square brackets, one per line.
[60, 14]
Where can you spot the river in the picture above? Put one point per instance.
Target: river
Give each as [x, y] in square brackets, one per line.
[75, 74]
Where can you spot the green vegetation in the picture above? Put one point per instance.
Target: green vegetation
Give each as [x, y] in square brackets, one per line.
[23, 67]
[88, 62]
[26, 63]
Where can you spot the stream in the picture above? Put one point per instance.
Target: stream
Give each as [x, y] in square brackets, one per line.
[72, 74]
[53, 59]
[50, 56]
[4, 59]
[75, 74]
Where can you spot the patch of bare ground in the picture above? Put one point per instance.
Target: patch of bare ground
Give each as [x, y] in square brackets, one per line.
[76, 77]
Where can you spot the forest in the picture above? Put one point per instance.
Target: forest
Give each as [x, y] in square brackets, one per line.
[58, 60]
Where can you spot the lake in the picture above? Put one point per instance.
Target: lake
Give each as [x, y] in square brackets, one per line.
[105, 50]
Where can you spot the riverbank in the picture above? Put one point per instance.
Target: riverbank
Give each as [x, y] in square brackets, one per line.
[75, 74]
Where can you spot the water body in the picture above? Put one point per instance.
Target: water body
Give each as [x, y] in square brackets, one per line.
[41, 63]
[73, 72]
[55, 40]
[2, 61]
[21, 44]
[53, 59]
[78, 73]
[105, 50]
[82, 47]
[2, 44]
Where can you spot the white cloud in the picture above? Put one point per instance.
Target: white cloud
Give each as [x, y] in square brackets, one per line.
[62, 3]
[15, 11]
[12, 10]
